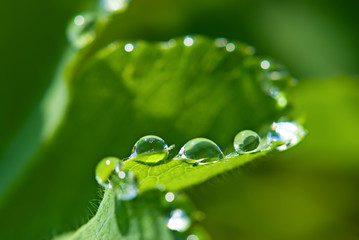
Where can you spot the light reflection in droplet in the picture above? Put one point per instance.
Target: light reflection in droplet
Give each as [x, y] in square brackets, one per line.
[114, 5]
[188, 41]
[230, 47]
[221, 42]
[281, 100]
[79, 20]
[129, 47]
[179, 221]
[108, 162]
[192, 237]
[290, 133]
[170, 197]
[265, 64]
[121, 174]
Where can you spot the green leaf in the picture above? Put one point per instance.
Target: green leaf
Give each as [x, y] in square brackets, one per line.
[149, 221]
[178, 174]
[114, 98]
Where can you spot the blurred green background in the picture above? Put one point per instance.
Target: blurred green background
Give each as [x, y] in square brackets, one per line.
[309, 192]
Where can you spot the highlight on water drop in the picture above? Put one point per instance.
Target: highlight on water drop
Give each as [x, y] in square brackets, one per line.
[246, 141]
[104, 170]
[150, 149]
[124, 183]
[287, 133]
[81, 30]
[201, 150]
[114, 5]
[178, 220]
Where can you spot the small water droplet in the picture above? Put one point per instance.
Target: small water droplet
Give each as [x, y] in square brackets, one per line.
[265, 64]
[192, 237]
[281, 100]
[230, 47]
[246, 141]
[201, 150]
[81, 31]
[124, 184]
[150, 149]
[129, 47]
[188, 41]
[178, 221]
[114, 5]
[104, 170]
[288, 133]
[170, 196]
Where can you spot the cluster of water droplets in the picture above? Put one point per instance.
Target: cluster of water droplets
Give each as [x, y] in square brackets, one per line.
[179, 214]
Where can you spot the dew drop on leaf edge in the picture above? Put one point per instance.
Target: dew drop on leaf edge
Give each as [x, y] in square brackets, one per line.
[201, 149]
[150, 149]
[104, 170]
[246, 141]
[289, 133]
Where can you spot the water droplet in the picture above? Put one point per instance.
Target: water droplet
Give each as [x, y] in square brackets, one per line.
[281, 99]
[81, 30]
[150, 149]
[288, 133]
[129, 47]
[265, 64]
[192, 237]
[104, 170]
[202, 150]
[114, 5]
[124, 184]
[188, 41]
[246, 141]
[178, 220]
[170, 196]
[230, 47]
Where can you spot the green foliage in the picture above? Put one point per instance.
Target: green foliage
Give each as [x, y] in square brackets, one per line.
[147, 220]
[47, 160]
[115, 97]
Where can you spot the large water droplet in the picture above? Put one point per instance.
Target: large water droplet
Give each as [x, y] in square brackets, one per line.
[114, 5]
[178, 221]
[81, 30]
[201, 150]
[150, 149]
[246, 141]
[104, 170]
[124, 184]
[288, 133]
